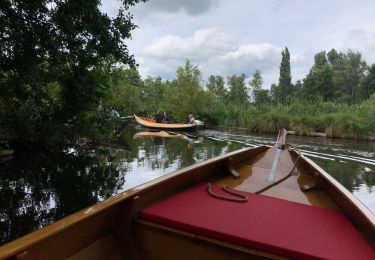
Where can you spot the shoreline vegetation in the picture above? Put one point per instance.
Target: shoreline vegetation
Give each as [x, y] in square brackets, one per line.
[58, 87]
[323, 119]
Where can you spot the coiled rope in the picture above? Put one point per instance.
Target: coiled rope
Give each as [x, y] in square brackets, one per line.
[242, 197]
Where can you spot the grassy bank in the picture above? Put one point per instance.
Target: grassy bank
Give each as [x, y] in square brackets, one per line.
[336, 120]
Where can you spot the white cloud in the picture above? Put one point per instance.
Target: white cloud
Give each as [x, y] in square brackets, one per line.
[204, 44]
[214, 51]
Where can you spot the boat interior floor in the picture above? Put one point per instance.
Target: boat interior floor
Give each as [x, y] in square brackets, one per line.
[103, 248]
[299, 186]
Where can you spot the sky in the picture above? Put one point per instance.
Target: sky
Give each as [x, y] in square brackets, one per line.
[224, 37]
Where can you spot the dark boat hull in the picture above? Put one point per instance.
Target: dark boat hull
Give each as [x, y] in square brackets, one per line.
[180, 129]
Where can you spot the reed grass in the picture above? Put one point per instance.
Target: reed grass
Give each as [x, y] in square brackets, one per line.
[334, 119]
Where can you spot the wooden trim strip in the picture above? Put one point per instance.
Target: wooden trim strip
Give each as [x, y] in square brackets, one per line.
[199, 239]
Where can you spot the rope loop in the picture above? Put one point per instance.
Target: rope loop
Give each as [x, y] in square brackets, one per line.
[242, 197]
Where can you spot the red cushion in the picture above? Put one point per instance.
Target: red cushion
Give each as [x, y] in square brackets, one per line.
[264, 223]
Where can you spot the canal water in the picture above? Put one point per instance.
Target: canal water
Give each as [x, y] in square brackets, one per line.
[40, 188]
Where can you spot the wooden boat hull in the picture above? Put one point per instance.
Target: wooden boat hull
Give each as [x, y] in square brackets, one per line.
[112, 229]
[151, 124]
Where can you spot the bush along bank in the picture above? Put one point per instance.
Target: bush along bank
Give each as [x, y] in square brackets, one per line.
[334, 120]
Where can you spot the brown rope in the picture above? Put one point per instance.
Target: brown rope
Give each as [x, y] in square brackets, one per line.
[243, 197]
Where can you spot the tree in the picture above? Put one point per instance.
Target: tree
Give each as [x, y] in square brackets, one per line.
[333, 56]
[319, 82]
[320, 59]
[261, 96]
[275, 93]
[348, 72]
[367, 87]
[238, 93]
[185, 94]
[49, 52]
[125, 90]
[152, 93]
[257, 81]
[285, 79]
[283, 92]
[216, 86]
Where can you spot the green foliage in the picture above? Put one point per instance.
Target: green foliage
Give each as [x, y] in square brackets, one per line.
[152, 96]
[348, 73]
[186, 95]
[257, 81]
[261, 96]
[50, 53]
[367, 86]
[216, 86]
[60, 59]
[238, 92]
[125, 91]
[339, 77]
[283, 91]
[319, 83]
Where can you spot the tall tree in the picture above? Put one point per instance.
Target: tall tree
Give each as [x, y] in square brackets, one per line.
[285, 80]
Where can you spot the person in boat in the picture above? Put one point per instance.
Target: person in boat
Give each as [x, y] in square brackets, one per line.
[100, 105]
[158, 118]
[113, 112]
[191, 118]
[166, 118]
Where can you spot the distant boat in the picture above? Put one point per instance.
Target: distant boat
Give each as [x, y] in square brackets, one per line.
[150, 123]
[255, 203]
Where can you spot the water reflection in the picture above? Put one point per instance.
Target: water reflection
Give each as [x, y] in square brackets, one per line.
[41, 188]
